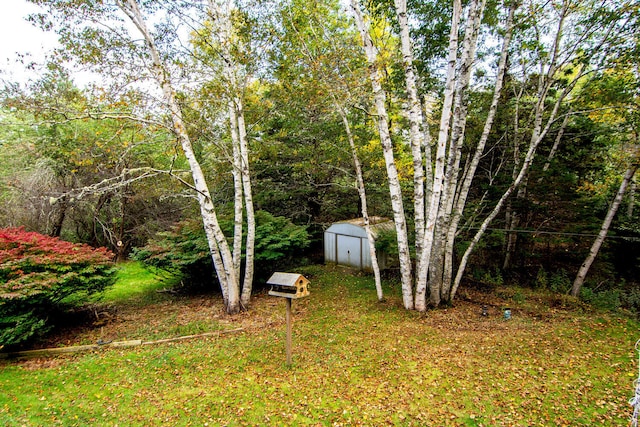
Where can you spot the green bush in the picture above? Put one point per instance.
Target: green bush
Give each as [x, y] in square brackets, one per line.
[181, 251]
[41, 276]
[609, 299]
[184, 251]
[631, 300]
[542, 279]
[560, 281]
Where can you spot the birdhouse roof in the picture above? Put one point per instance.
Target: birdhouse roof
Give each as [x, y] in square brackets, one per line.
[286, 279]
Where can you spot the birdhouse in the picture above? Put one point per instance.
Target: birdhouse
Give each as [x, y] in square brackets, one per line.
[288, 285]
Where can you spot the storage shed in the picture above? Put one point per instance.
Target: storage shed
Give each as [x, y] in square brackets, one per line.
[346, 242]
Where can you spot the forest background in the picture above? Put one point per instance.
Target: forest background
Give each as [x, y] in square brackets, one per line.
[503, 136]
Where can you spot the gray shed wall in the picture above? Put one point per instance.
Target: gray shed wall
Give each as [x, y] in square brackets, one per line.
[347, 244]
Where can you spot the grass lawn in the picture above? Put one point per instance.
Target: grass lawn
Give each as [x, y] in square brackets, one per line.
[355, 362]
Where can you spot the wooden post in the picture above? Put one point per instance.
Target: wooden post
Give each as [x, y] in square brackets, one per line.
[288, 331]
[288, 286]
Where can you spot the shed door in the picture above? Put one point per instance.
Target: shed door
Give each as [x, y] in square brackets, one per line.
[348, 250]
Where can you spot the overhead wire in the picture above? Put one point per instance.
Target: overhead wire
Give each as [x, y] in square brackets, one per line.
[559, 233]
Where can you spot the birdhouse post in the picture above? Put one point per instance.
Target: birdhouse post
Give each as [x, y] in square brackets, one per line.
[289, 286]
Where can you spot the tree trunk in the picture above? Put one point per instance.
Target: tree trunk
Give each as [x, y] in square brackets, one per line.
[459, 121]
[595, 248]
[363, 203]
[221, 255]
[416, 124]
[438, 178]
[238, 212]
[556, 143]
[247, 285]
[59, 216]
[242, 176]
[387, 148]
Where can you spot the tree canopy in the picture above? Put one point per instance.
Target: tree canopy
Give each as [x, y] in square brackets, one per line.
[495, 134]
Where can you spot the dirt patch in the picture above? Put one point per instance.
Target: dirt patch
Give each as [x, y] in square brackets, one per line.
[474, 311]
[104, 323]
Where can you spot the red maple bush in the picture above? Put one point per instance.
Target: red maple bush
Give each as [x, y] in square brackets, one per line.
[41, 275]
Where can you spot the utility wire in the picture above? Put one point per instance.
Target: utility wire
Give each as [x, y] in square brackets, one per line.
[560, 233]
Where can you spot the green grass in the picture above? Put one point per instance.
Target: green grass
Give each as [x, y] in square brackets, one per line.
[135, 284]
[356, 362]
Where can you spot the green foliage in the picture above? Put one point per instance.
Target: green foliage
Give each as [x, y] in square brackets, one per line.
[631, 299]
[279, 241]
[494, 279]
[613, 296]
[184, 250]
[559, 281]
[609, 299]
[542, 279]
[386, 242]
[41, 275]
[488, 277]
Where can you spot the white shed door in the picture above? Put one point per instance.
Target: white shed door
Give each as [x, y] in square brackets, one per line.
[349, 251]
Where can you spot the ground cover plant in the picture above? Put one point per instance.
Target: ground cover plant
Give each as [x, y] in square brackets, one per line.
[355, 362]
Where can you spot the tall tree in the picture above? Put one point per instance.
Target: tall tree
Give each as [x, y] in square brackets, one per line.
[317, 40]
[376, 78]
[568, 41]
[602, 234]
[226, 38]
[102, 40]
[221, 254]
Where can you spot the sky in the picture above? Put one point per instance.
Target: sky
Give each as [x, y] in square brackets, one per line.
[20, 37]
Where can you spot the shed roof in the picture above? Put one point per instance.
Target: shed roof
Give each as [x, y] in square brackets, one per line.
[355, 227]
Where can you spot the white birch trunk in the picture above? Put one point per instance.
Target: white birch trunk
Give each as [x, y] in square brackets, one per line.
[428, 171]
[247, 285]
[238, 215]
[387, 148]
[242, 177]
[221, 255]
[595, 248]
[416, 124]
[441, 283]
[363, 201]
[556, 143]
[438, 178]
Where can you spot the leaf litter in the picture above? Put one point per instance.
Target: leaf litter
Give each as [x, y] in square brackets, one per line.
[361, 362]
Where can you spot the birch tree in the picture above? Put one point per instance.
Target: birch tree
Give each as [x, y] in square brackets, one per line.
[221, 254]
[397, 204]
[316, 39]
[568, 38]
[236, 74]
[104, 39]
[602, 234]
